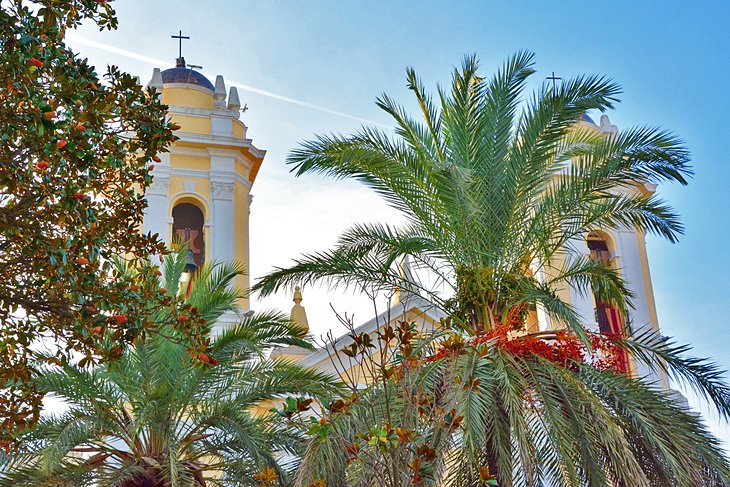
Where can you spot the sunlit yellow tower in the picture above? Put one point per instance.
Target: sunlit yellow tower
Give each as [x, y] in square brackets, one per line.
[201, 191]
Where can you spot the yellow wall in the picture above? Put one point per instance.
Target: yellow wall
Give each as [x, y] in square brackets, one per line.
[239, 130]
[187, 97]
[190, 162]
[192, 124]
[240, 202]
[202, 187]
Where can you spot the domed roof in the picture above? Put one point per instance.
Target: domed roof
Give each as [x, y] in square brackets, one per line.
[584, 118]
[183, 74]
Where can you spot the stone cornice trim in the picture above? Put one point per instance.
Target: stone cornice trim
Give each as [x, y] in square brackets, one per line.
[212, 176]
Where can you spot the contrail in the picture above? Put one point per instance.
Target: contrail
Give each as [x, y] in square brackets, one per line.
[76, 39]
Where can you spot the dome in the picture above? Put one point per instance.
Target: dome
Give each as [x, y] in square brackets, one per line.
[583, 118]
[182, 74]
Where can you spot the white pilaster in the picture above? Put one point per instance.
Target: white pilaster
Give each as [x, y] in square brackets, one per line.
[222, 187]
[157, 194]
[639, 316]
[223, 228]
[583, 303]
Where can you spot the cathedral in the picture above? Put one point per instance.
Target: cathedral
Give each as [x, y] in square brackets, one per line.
[201, 194]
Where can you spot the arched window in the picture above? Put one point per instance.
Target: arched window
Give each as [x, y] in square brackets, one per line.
[609, 319]
[187, 226]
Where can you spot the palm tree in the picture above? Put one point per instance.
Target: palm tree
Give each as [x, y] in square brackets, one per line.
[496, 188]
[160, 417]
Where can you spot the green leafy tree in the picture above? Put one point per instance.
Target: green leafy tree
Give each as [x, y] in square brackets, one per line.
[497, 187]
[75, 154]
[159, 417]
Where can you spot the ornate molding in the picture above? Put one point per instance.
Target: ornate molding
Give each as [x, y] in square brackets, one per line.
[159, 187]
[222, 190]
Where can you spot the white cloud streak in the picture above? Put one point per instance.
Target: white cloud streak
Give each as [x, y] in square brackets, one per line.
[74, 38]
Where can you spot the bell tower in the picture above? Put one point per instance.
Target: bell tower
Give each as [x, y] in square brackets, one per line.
[201, 192]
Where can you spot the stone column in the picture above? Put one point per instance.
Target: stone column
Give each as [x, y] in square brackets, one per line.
[224, 224]
[156, 214]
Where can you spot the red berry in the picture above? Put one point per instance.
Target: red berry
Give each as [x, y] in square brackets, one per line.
[81, 261]
[163, 290]
[42, 165]
[79, 196]
[214, 362]
[157, 272]
[50, 115]
[35, 62]
[156, 159]
[204, 358]
[96, 330]
[182, 318]
[120, 318]
[80, 127]
[61, 144]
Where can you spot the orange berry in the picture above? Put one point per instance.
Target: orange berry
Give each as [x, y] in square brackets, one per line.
[120, 318]
[42, 165]
[156, 159]
[96, 330]
[204, 358]
[81, 261]
[61, 144]
[50, 115]
[35, 62]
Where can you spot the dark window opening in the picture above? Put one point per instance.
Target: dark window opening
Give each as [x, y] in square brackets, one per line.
[187, 226]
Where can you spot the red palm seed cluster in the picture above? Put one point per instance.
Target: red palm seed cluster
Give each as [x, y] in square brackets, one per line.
[564, 348]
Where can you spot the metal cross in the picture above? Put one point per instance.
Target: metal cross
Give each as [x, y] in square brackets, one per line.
[554, 78]
[180, 38]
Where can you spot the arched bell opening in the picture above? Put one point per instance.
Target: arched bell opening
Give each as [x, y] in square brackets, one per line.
[188, 221]
[610, 319]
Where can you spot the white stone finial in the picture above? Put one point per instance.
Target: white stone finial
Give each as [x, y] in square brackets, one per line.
[298, 314]
[156, 81]
[606, 127]
[234, 104]
[220, 92]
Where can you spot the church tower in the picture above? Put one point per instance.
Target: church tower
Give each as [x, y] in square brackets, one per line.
[201, 192]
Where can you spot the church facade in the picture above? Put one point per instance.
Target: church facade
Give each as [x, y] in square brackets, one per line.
[201, 194]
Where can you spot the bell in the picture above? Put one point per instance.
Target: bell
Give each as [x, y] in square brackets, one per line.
[190, 265]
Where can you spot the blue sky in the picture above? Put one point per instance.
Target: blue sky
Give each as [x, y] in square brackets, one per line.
[670, 57]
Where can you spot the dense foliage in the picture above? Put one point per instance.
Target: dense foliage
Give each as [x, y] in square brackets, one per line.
[561, 415]
[75, 154]
[500, 191]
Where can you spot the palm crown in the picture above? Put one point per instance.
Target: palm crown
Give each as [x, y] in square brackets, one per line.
[491, 191]
[159, 417]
